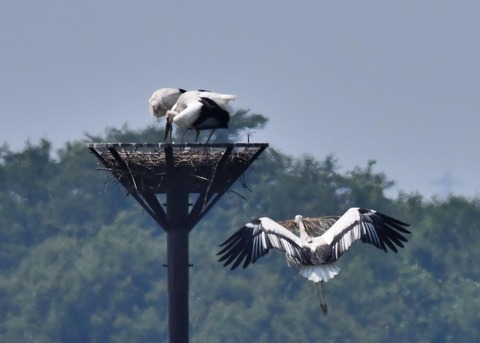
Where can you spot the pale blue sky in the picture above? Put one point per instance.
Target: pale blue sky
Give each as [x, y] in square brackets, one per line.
[395, 81]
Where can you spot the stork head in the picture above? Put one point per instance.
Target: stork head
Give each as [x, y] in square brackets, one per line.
[170, 115]
[153, 104]
[153, 108]
[156, 111]
[298, 218]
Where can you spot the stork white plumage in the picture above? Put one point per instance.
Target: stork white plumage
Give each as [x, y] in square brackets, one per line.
[199, 110]
[164, 99]
[321, 242]
[221, 99]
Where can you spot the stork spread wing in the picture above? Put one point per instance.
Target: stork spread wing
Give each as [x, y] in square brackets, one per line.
[255, 239]
[368, 225]
[313, 226]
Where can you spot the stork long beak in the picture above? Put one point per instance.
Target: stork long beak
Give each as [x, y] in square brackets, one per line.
[168, 129]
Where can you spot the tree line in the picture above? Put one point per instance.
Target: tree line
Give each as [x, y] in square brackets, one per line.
[80, 261]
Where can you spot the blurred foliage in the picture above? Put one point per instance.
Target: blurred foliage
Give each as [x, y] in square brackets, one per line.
[81, 262]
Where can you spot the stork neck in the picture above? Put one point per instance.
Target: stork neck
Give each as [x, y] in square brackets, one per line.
[303, 232]
[170, 115]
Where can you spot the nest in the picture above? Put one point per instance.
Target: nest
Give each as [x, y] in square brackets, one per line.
[192, 169]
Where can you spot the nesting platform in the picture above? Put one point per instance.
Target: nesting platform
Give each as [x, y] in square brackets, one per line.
[191, 178]
[149, 169]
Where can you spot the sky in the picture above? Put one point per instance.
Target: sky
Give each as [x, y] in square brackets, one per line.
[393, 81]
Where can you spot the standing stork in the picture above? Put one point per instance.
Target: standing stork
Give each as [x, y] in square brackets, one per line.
[321, 242]
[164, 99]
[199, 110]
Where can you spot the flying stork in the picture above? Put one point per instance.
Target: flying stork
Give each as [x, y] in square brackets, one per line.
[321, 242]
[163, 99]
[199, 110]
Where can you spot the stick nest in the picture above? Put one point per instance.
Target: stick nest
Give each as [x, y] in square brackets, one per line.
[195, 170]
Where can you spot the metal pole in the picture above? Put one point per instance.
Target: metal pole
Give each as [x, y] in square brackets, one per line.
[177, 264]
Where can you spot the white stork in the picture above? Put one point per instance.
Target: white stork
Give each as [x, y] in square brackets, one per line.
[163, 99]
[321, 242]
[199, 110]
